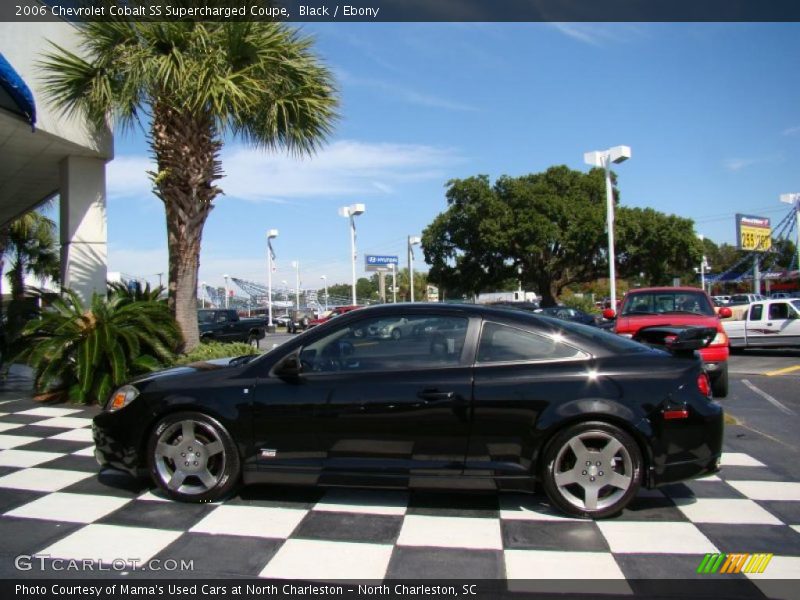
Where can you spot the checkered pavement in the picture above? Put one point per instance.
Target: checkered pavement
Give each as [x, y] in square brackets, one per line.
[54, 501]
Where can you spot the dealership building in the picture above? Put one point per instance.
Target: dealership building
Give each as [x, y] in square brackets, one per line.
[45, 154]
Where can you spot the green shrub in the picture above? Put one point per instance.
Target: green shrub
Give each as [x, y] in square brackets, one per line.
[580, 303]
[84, 353]
[212, 350]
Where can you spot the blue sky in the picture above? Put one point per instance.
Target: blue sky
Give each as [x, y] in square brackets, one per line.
[711, 111]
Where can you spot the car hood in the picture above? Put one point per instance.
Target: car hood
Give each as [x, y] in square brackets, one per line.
[195, 367]
[632, 324]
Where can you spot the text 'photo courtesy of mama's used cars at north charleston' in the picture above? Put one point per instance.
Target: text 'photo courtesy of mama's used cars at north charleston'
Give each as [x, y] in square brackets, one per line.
[473, 397]
[678, 306]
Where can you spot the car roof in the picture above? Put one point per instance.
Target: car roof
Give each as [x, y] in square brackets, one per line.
[666, 288]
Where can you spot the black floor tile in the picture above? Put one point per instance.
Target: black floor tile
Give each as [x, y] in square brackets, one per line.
[651, 509]
[70, 462]
[579, 536]
[776, 539]
[28, 536]
[750, 474]
[11, 499]
[221, 554]
[35, 431]
[158, 515]
[110, 483]
[708, 489]
[349, 527]
[654, 566]
[51, 445]
[21, 419]
[786, 510]
[453, 504]
[445, 563]
[277, 496]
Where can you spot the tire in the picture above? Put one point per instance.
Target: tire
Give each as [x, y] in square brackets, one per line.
[719, 383]
[574, 461]
[252, 341]
[736, 350]
[396, 334]
[219, 466]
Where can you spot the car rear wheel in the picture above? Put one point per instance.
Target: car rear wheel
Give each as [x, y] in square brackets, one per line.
[193, 458]
[719, 383]
[592, 469]
[253, 341]
[396, 334]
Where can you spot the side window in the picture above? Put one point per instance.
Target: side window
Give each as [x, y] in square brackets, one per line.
[779, 310]
[222, 317]
[501, 343]
[389, 343]
[756, 311]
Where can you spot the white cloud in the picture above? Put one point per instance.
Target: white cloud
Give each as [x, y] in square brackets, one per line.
[600, 34]
[792, 131]
[737, 164]
[343, 168]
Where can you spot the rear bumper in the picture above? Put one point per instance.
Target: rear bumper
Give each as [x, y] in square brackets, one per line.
[713, 355]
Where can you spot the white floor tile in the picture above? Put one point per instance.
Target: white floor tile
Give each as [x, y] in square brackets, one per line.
[254, 521]
[83, 434]
[26, 458]
[524, 507]
[42, 480]
[739, 459]
[324, 560]
[13, 441]
[109, 542]
[66, 422]
[85, 451]
[796, 528]
[372, 502]
[72, 508]
[149, 496]
[551, 564]
[451, 532]
[779, 567]
[719, 510]
[706, 478]
[655, 538]
[47, 411]
[768, 490]
[9, 426]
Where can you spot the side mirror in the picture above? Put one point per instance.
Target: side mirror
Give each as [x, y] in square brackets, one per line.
[725, 313]
[289, 367]
[609, 314]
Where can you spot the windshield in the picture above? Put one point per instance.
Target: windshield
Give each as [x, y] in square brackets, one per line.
[796, 304]
[205, 316]
[655, 303]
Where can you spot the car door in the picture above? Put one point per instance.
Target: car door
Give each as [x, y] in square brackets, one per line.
[226, 328]
[392, 406]
[782, 326]
[518, 374]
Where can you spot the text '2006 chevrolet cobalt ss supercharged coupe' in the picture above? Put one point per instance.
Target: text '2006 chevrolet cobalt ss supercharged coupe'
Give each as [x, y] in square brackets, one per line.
[467, 397]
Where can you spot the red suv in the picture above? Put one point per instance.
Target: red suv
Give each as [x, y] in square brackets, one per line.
[339, 310]
[646, 307]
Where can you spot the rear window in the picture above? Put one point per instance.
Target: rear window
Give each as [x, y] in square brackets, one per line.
[662, 302]
[578, 333]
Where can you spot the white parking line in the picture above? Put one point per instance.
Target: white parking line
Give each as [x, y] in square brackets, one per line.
[777, 404]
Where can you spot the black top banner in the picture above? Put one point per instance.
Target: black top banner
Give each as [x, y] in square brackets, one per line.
[403, 10]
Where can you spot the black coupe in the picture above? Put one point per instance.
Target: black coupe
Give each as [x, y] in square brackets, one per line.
[479, 398]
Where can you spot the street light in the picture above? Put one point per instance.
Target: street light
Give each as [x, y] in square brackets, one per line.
[412, 241]
[795, 199]
[703, 264]
[325, 279]
[226, 291]
[203, 293]
[296, 265]
[394, 283]
[351, 212]
[271, 235]
[603, 159]
[285, 289]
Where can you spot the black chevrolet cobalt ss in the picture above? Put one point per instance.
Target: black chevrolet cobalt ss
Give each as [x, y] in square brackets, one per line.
[461, 396]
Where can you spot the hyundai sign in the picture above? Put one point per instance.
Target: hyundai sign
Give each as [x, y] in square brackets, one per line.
[373, 262]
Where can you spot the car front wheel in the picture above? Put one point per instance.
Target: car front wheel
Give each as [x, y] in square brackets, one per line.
[592, 469]
[193, 458]
[719, 382]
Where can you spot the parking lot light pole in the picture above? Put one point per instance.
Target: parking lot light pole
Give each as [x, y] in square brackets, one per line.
[412, 241]
[795, 199]
[603, 159]
[325, 281]
[702, 264]
[271, 235]
[296, 265]
[351, 212]
[394, 283]
[227, 293]
[203, 293]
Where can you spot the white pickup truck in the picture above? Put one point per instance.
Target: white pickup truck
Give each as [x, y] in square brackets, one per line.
[766, 324]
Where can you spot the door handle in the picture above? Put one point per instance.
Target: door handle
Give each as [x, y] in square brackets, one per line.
[435, 395]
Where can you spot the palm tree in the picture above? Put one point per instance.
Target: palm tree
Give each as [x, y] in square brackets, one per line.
[196, 84]
[84, 351]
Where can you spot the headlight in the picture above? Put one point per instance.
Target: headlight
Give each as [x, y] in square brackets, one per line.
[626, 335]
[121, 398]
[719, 340]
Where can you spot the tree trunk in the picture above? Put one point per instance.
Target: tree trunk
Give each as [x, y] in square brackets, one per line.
[186, 147]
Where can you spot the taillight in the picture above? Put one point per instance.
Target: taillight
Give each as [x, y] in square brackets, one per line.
[721, 339]
[704, 385]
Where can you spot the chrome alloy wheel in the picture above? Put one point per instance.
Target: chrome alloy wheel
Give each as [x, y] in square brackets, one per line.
[593, 470]
[189, 457]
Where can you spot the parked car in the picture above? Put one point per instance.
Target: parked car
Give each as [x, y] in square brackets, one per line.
[487, 398]
[339, 310]
[568, 314]
[745, 298]
[225, 325]
[766, 324]
[675, 306]
[530, 306]
[721, 300]
[299, 320]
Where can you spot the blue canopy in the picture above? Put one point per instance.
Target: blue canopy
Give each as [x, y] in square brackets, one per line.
[15, 95]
